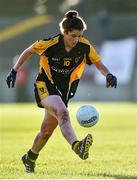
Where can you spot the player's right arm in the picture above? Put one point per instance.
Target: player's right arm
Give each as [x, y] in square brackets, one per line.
[37, 48]
[26, 54]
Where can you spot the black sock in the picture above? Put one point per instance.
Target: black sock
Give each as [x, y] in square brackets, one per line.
[73, 144]
[32, 156]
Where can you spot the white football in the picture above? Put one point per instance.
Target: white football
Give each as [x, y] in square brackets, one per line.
[87, 116]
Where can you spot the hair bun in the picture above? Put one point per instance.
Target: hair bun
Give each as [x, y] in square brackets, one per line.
[71, 14]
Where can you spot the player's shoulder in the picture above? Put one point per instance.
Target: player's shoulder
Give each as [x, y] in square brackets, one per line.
[47, 42]
[52, 40]
[84, 41]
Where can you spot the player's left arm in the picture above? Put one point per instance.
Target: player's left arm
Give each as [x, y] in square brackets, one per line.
[102, 68]
[111, 80]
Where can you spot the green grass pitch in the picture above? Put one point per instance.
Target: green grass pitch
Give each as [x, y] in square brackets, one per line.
[113, 154]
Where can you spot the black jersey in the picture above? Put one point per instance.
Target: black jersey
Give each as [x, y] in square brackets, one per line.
[61, 68]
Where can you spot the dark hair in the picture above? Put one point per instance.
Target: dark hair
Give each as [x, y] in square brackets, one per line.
[72, 21]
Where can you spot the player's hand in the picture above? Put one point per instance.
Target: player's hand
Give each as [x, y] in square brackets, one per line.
[111, 80]
[11, 78]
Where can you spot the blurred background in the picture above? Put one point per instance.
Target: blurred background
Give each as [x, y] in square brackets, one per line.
[112, 30]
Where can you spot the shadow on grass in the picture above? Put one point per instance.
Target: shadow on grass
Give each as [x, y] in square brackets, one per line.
[117, 176]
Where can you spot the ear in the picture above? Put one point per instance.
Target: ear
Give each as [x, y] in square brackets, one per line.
[65, 32]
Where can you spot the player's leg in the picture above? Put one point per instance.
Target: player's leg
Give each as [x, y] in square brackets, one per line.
[48, 125]
[56, 107]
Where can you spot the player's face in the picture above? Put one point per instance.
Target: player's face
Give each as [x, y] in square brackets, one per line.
[71, 38]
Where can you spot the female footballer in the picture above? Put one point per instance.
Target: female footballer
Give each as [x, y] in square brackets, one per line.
[62, 61]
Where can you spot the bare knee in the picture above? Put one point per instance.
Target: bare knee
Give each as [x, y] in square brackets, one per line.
[45, 134]
[55, 106]
[62, 115]
[46, 131]
[48, 125]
